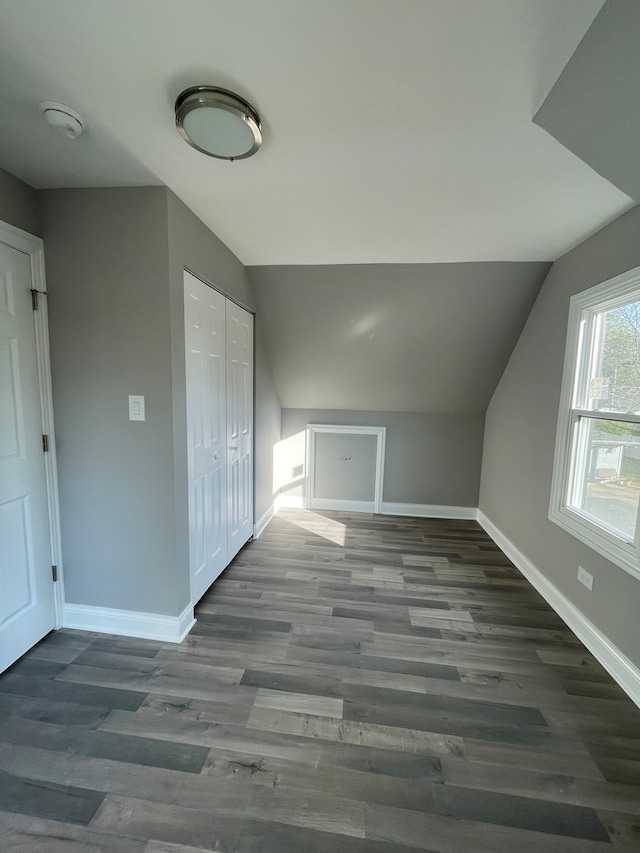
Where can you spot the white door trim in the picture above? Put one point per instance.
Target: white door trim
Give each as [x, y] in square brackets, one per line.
[33, 246]
[379, 432]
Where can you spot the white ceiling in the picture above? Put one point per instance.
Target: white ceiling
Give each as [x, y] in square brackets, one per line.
[395, 130]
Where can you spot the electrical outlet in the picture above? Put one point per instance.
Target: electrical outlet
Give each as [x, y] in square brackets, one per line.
[585, 578]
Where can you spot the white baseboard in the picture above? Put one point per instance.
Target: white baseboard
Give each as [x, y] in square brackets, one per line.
[129, 623]
[262, 522]
[617, 664]
[388, 508]
[429, 510]
[342, 506]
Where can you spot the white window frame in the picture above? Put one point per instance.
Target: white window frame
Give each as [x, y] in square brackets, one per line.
[583, 306]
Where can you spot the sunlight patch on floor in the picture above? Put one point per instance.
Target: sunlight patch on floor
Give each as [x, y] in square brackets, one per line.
[320, 525]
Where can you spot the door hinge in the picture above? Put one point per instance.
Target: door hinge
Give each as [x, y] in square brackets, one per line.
[54, 573]
[34, 297]
[45, 443]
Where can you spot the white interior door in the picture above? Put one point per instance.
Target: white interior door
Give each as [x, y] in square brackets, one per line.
[239, 426]
[27, 608]
[207, 432]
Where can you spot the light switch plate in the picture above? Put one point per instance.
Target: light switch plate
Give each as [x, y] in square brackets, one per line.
[136, 408]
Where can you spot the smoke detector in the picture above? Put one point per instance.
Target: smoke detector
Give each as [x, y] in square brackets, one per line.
[62, 119]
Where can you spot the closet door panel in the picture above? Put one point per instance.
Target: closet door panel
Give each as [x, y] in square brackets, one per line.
[205, 340]
[239, 329]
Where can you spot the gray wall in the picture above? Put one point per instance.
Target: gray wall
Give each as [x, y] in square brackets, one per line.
[520, 440]
[268, 416]
[19, 204]
[115, 261]
[393, 337]
[430, 459]
[107, 274]
[594, 107]
[193, 245]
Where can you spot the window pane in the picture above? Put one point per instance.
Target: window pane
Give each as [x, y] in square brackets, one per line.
[607, 473]
[615, 374]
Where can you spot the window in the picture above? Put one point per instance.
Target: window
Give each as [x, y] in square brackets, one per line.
[596, 480]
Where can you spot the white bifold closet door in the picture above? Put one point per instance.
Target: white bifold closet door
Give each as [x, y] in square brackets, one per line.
[239, 427]
[219, 374]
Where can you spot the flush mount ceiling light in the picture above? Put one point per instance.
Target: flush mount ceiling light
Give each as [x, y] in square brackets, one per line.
[218, 122]
[62, 118]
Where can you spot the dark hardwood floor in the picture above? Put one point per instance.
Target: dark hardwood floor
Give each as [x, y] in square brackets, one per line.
[353, 684]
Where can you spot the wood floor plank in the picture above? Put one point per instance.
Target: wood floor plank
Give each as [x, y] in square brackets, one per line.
[234, 794]
[354, 683]
[557, 788]
[298, 703]
[185, 678]
[574, 759]
[624, 830]
[81, 694]
[52, 800]
[48, 711]
[169, 847]
[142, 819]
[349, 731]
[434, 832]
[120, 746]
[20, 833]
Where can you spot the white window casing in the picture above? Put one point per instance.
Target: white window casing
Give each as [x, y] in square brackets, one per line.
[578, 415]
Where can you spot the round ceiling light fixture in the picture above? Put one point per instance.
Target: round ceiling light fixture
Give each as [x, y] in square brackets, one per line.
[218, 122]
[62, 118]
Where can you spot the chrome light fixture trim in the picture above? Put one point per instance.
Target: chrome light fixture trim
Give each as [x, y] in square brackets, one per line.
[213, 97]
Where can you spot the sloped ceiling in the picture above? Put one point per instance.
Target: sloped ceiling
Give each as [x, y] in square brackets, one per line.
[398, 337]
[594, 107]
